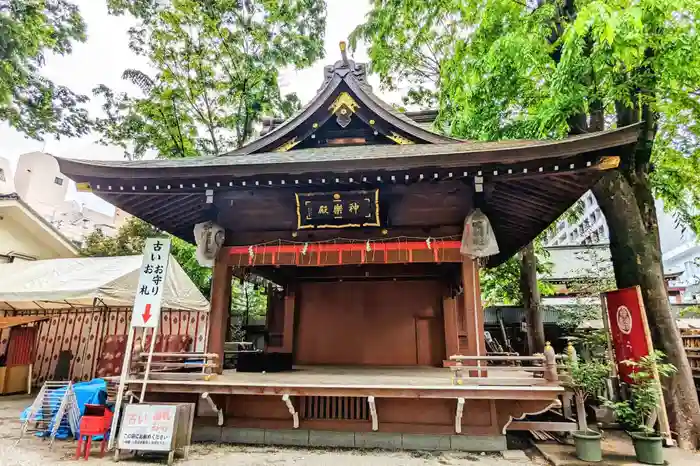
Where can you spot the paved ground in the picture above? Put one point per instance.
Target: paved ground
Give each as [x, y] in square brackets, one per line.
[35, 452]
[617, 451]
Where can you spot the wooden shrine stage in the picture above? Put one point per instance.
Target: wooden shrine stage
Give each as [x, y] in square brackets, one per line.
[505, 383]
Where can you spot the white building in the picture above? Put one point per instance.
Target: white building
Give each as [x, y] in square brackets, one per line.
[681, 251]
[26, 235]
[591, 228]
[40, 184]
[7, 181]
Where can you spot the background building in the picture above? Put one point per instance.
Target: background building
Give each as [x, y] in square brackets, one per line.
[26, 235]
[39, 184]
[681, 252]
[7, 181]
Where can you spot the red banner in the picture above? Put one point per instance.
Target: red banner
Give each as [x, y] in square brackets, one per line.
[628, 327]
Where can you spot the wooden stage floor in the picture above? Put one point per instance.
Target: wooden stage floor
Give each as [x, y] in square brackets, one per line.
[413, 382]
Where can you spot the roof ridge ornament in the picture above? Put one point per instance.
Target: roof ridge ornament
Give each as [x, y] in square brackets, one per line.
[345, 67]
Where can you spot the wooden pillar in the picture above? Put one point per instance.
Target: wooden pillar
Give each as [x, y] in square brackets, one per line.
[474, 324]
[220, 309]
[289, 318]
[449, 312]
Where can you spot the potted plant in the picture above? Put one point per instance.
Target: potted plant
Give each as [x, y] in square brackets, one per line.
[637, 414]
[586, 379]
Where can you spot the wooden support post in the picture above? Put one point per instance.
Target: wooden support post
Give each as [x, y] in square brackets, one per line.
[219, 412]
[373, 413]
[458, 415]
[449, 311]
[295, 416]
[220, 303]
[476, 346]
[289, 319]
[566, 405]
[550, 364]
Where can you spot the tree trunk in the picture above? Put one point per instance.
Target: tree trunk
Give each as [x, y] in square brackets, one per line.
[636, 255]
[531, 299]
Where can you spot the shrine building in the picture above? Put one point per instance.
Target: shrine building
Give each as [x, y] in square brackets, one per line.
[356, 213]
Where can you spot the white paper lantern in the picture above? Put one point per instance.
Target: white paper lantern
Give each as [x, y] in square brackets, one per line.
[478, 238]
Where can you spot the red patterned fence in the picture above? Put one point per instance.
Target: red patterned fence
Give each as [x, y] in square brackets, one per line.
[82, 331]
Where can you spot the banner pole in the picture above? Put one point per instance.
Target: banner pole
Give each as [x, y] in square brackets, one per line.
[664, 425]
[126, 366]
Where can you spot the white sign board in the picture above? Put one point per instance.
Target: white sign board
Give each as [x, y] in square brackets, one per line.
[147, 427]
[146, 312]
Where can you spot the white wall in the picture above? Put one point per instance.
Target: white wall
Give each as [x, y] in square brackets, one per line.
[39, 182]
[7, 184]
[15, 238]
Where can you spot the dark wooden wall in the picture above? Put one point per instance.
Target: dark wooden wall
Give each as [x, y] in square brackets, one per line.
[377, 323]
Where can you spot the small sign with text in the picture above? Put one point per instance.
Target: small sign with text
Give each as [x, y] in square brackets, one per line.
[147, 427]
[149, 293]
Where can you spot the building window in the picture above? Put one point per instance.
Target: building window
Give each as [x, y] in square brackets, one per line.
[58, 181]
[2, 174]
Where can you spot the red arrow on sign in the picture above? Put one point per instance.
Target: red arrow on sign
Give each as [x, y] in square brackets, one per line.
[147, 313]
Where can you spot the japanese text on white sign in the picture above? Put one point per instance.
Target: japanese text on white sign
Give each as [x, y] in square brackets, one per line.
[147, 427]
[149, 292]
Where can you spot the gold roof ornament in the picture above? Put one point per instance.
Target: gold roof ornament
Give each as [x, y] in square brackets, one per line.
[83, 187]
[398, 139]
[288, 145]
[344, 100]
[609, 162]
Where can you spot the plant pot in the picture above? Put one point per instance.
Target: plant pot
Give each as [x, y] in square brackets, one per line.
[648, 448]
[588, 446]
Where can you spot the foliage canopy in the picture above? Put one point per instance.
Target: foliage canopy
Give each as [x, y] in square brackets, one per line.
[217, 64]
[29, 102]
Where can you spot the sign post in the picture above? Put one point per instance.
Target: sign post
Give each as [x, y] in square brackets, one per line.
[145, 314]
[631, 339]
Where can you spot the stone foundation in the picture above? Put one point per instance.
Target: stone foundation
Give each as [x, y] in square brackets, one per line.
[332, 439]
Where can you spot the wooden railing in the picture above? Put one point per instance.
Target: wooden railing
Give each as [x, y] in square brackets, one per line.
[543, 366]
[169, 362]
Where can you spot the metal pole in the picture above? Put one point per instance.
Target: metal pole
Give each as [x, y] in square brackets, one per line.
[148, 363]
[122, 382]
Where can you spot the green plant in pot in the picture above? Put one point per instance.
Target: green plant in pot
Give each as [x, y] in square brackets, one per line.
[638, 414]
[586, 380]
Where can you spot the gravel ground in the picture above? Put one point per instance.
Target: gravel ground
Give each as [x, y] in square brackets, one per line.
[32, 451]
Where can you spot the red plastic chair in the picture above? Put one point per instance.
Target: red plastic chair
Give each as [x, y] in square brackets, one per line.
[96, 420]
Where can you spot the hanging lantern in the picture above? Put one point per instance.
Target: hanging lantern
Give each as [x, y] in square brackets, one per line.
[478, 238]
[209, 237]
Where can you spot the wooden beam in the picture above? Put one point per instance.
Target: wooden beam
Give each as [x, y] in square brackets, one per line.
[470, 392]
[543, 425]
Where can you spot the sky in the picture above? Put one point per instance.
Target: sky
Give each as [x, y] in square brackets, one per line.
[105, 54]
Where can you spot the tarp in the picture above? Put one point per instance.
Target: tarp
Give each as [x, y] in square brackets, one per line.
[78, 282]
[93, 392]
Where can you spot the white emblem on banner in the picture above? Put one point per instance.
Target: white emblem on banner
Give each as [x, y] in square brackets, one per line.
[624, 320]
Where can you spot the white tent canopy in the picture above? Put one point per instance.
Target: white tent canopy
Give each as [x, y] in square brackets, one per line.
[82, 282]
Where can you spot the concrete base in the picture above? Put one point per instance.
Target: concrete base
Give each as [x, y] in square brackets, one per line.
[332, 439]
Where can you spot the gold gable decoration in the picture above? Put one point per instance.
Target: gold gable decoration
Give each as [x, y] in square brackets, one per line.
[398, 139]
[288, 145]
[344, 100]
